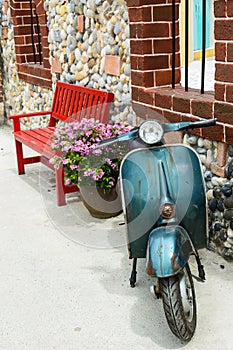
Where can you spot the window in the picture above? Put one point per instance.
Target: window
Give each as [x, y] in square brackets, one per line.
[200, 73]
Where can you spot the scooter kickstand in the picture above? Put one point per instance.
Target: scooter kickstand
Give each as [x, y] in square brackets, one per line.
[201, 270]
[133, 274]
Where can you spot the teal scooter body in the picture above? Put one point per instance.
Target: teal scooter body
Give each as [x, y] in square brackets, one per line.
[164, 205]
[151, 177]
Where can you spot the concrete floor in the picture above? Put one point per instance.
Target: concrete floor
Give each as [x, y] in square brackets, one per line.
[64, 276]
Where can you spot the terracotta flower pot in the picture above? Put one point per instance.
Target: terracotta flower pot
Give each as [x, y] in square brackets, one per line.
[101, 205]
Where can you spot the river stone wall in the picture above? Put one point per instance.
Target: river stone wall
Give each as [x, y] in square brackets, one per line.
[82, 49]
[219, 192]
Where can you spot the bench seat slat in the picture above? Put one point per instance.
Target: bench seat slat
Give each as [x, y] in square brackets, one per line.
[42, 138]
[41, 133]
[36, 142]
[46, 132]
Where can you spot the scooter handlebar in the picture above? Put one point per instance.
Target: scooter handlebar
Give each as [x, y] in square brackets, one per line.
[188, 125]
[167, 127]
[203, 123]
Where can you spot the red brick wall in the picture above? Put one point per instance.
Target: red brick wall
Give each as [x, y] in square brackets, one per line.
[35, 73]
[150, 31]
[151, 42]
[223, 11]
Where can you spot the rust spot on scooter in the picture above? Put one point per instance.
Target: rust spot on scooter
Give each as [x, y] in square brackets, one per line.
[149, 169]
[175, 266]
[149, 269]
[129, 209]
[140, 195]
[139, 186]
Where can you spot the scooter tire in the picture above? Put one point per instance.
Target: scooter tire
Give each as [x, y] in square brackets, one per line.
[179, 303]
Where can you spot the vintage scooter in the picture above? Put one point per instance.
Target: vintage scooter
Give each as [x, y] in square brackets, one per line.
[164, 206]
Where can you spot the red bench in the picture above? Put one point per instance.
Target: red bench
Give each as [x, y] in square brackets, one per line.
[70, 103]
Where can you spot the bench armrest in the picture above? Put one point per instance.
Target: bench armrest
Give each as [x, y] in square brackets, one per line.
[16, 118]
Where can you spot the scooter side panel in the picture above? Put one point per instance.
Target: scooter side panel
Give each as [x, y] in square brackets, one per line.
[169, 248]
[142, 193]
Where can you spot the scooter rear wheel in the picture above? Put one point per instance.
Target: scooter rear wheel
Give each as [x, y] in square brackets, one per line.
[179, 303]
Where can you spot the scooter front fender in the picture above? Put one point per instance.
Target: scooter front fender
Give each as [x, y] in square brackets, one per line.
[169, 248]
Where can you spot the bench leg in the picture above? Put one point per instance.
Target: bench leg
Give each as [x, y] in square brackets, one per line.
[59, 174]
[20, 160]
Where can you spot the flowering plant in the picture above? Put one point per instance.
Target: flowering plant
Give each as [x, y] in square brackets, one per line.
[84, 164]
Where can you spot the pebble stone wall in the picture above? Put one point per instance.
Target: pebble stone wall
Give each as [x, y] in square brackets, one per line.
[83, 53]
[219, 193]
[81, 50]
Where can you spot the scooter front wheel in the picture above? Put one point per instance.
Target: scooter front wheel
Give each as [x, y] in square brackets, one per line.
[179, 303]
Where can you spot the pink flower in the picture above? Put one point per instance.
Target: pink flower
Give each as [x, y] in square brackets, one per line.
[67, 182]
[97, 151]
[73, 167]
[108, 161]
[88, 172]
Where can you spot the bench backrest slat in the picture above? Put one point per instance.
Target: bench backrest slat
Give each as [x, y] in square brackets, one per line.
[73, 102]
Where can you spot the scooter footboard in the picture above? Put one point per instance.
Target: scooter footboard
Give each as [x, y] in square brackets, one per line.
[169, 248]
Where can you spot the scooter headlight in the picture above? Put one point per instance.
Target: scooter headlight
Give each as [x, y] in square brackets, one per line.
[151, 132]
[167, 210]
